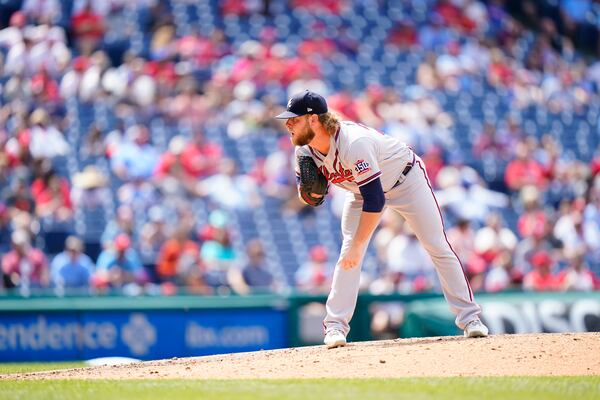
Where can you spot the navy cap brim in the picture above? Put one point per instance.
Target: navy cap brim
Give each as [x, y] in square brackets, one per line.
[286, 115]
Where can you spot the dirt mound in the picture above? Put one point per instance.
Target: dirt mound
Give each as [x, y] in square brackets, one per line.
[503, 355]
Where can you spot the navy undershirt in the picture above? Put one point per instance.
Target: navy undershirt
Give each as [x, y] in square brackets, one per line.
[373, 196]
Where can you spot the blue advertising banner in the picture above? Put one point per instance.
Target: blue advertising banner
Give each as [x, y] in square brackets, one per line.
[147, 335]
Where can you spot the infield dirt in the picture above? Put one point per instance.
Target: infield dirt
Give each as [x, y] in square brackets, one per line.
[501, 355]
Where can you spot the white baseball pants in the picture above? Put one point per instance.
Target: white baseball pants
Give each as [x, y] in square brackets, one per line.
[415, 201]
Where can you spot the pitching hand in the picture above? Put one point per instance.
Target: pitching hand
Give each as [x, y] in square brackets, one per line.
[352, 257]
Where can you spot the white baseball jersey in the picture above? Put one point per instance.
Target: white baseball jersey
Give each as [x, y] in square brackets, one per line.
[358, 155]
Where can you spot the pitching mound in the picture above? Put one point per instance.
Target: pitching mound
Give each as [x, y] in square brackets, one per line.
[504, 355]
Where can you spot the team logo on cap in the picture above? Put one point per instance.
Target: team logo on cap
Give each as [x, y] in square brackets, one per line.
[361, 166]
[289, 103]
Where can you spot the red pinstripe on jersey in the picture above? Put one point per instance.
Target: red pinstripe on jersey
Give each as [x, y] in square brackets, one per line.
[444, 230]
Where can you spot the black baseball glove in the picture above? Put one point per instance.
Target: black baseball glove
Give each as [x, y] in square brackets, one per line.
[311, 182]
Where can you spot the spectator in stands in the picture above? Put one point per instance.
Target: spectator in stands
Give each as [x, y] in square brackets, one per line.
[153, 235]
[229, 189]
[89, 189]
[489, 143]
[524, 169]
[70, 83]
[5, 229]
[185, 162]
[541, 239]
[93, 146]
[534, 218]
[24, 266]
[72, 268]
[406, 256]
[52, 196]
[46, 141]
[315, 275]
[462, 239]
[217, 252]
[577, 275]
[90, 85]
[42, 11]
[13, 34]
[494, 238]
[119, 265]
[570, 230]
[179, 258]
[171, 173]
[245, 111]
[541, 278]
[18, 197]
[44, 88]
[255, 275]
[136, 158]
[463, 193]
[88, 29]
[500, 275]
[277, 172]
[403, 35]
[188, 106]
[591, 213]
[123, 224]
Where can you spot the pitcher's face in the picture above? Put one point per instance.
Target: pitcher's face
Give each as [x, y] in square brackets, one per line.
[300, 131]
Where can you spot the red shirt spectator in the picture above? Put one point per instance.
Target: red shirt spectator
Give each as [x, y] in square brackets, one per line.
[454, 16]
[88, 30]
[404, 36]
[300, 68]
[45, 87]
[88, 25]
[52, 196]
[595, 165]
[343, 103]
[524, 170]
[162, 71]
[434, 160]
[233, 7]
[202, 50]
[531, 223]
[316, 46]
[332, 6]
[541, 278]
[197, 159]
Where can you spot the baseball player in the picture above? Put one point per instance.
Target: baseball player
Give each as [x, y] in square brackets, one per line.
[377, 171]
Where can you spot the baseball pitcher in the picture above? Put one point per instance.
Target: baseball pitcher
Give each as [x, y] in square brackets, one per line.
[377, 171]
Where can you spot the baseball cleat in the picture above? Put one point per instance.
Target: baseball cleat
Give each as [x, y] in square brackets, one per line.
[334, 338]
[476, 328]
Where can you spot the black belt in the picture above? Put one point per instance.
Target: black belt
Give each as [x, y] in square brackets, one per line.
[405, 172]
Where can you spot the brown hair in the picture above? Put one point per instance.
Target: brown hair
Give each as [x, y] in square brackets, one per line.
[330, 121]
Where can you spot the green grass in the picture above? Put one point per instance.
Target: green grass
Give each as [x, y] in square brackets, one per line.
[12, 368]
[546, 388]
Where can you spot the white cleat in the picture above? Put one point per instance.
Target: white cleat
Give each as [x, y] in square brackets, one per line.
[334, 338]
[476, 328]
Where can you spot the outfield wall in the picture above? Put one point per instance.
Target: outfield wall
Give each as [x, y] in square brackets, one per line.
[78, 328]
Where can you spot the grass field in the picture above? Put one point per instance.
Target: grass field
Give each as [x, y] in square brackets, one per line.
[13, 368]
[330, 389]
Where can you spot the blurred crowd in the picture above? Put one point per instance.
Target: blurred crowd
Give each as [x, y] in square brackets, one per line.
[119, 202]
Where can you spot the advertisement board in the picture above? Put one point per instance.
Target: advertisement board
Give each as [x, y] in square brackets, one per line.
[146, 334]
